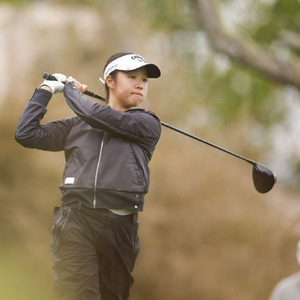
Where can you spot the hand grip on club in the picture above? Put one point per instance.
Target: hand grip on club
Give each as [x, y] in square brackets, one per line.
[49, 76]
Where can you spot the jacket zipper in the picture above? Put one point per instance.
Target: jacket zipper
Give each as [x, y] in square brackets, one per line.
[97, 170]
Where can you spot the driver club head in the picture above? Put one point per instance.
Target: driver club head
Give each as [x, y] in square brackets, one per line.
[263, 178]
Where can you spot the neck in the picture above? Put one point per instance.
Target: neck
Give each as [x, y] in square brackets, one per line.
[117, 106]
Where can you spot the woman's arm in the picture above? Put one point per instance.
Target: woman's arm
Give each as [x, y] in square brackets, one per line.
[31, 134]
[138, 126]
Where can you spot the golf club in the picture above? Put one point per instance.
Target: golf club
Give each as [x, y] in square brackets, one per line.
[263, 178]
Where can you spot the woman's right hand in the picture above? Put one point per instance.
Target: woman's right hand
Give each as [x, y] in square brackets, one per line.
[81, 87]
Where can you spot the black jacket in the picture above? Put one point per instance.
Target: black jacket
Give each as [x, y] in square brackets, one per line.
[107, 151]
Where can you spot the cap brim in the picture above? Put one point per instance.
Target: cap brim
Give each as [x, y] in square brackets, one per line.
[153, 70]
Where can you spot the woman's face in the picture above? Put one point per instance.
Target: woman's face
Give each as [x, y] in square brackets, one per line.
[128, 89]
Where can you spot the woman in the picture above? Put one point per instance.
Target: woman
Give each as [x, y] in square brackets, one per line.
[107, 149]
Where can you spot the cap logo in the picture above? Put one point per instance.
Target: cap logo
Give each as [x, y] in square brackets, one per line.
[138, 57]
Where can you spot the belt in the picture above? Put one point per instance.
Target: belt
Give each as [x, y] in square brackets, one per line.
[102, 211]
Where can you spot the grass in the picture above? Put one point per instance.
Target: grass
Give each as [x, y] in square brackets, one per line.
[22, 280]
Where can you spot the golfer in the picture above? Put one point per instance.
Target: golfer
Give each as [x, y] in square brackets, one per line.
[107, 149]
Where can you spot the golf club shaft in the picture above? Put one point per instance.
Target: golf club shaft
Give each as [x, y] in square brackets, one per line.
[252, 162]
[48, 76]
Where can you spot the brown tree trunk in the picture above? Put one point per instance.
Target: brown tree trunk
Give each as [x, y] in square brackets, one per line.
[285, 72]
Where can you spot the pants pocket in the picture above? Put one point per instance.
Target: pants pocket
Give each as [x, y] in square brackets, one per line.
[136, 246]
[59, 221]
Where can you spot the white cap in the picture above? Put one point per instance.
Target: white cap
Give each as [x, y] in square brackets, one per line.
[131, 62]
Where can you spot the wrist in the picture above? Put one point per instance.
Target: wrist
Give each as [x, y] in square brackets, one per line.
[46, 87]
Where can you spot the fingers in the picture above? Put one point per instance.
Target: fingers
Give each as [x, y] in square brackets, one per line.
[84, 88]
[60, 77]
[70, 79]
[81, 87]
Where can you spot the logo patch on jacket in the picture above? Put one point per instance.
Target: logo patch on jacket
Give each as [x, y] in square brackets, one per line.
[69, 180]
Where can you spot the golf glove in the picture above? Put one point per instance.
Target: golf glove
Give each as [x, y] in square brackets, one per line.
[56, 86]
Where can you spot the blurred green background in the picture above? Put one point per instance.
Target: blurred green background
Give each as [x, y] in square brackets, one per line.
[205, 232]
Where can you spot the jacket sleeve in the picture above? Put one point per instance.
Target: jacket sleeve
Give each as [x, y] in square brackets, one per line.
[31, 134]
[141, 127]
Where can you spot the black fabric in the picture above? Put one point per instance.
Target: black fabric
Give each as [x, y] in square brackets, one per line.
[94, 252]
[107, 151]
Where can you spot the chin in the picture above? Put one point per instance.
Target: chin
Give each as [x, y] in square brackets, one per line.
[136, 103]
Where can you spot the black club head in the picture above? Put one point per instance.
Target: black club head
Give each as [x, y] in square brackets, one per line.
[263, 178]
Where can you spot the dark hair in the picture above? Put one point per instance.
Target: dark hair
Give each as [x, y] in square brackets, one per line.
[114, 73]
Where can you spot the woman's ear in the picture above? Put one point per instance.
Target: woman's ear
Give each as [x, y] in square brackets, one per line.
[110, 82]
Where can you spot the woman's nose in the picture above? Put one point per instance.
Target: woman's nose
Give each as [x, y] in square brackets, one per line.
[140, 84]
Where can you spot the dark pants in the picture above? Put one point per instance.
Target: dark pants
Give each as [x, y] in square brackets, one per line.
[94, 252]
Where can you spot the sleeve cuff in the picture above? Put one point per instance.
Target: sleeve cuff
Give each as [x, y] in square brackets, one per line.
[41, 96]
